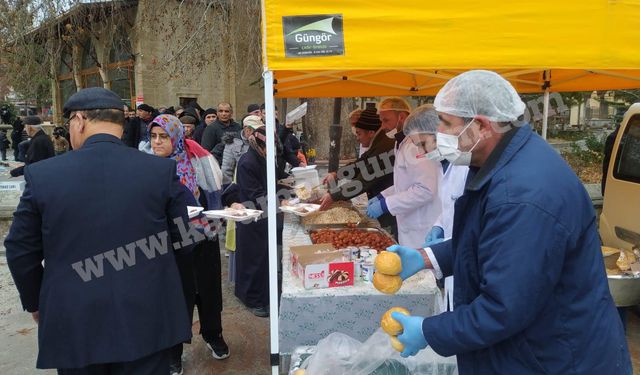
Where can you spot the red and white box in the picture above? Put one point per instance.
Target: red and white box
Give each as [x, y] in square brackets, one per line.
[321, 266]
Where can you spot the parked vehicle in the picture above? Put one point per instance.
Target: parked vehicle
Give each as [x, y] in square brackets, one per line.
[620, 218]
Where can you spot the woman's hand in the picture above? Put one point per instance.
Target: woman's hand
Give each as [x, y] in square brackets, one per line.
[326, 202]
[329, 178]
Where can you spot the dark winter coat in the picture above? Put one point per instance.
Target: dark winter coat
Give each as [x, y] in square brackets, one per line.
[85, 207]
[530, 292]
[212, 137]
[40, 148]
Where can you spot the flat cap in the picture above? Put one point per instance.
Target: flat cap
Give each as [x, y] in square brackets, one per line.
[93, 98]
[252, 121]
[32, 120]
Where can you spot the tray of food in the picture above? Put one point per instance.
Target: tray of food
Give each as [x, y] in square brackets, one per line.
[233, 214]
[334, 216]
[300, 209]
[340, 238]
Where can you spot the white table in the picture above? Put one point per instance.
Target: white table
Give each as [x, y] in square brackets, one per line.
[306, 316]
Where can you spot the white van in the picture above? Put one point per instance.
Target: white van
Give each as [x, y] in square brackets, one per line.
[620, 218]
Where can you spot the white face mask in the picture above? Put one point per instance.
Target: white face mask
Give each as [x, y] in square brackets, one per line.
[448, 147]
[392, 133]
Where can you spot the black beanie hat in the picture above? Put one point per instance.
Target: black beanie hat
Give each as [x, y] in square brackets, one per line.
[253, 107]
[210, 111]
[146, 107]
[369, 120]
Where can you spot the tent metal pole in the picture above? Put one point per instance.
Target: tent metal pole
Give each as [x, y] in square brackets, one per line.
[271, 217]
[545, 113]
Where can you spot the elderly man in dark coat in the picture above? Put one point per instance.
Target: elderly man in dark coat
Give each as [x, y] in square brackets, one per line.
[106, 220]
[40, 147]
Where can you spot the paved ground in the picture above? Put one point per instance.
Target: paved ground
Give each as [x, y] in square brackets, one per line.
[246, 335]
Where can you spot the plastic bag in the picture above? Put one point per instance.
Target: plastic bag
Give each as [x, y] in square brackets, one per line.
[340, 354]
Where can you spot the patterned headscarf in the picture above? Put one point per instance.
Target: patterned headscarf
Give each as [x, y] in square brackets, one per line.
[175, 130]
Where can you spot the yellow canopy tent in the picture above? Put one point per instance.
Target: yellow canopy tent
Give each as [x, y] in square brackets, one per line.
[341, 48]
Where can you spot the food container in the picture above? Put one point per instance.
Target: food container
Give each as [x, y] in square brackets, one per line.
[378, 231]
[625, 289]
[366, 272]
[307, 176]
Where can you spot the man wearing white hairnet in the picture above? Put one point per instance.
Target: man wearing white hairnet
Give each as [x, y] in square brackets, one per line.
[451, 181]
[413, 197]
[531, 293]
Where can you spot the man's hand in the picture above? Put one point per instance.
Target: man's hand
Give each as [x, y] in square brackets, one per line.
[377, 207]
[412, 337]
[237, 206]
[329, 178]
[36, 316]
[412, 260]
[436, 235]
[326, 202]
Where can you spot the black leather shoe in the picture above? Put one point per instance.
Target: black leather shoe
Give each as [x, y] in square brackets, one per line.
[262, 311]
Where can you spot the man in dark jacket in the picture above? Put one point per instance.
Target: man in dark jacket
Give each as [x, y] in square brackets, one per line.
[212, 137]
[16, 136]
[108, 297]
[371, 173]
[290, 146]
[146, 114]
[131, 133]
[40, 147]
[530, 291]
[210, 116]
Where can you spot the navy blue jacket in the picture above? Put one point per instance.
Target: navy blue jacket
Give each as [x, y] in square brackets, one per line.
[101, 207]
[530, 291]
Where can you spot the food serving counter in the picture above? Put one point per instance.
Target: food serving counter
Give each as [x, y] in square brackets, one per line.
[309, 315]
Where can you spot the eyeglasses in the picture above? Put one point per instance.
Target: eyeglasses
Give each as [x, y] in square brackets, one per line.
[67, 123]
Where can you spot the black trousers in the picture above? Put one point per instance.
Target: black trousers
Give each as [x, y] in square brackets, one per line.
[201, 274]
[154, 364]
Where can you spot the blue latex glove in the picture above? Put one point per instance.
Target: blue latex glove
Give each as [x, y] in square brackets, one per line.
[412, 261]
[436, 235]
[412, 337]
[377, 207]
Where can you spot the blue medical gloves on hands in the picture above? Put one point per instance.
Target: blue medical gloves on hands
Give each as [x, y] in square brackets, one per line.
[436, 235]
[412, 260]
[377, 207]
[412, 337]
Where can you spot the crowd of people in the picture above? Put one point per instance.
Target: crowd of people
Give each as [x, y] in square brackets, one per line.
[468, 191]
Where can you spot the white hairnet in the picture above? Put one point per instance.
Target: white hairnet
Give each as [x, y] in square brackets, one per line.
[394, 103]
[423, 120]
[480, 92]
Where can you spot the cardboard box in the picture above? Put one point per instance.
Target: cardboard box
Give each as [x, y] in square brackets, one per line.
[321, 266]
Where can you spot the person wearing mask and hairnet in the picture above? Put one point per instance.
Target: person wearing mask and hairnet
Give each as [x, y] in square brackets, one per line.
[531, 293]
[451, 182]
[413, 197]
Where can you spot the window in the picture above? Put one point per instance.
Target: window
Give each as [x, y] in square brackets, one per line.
[184, 101]
[88, 55]
[92, 80]
[627, 165]
[66, 62]
[122, 83]
[67, 88]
